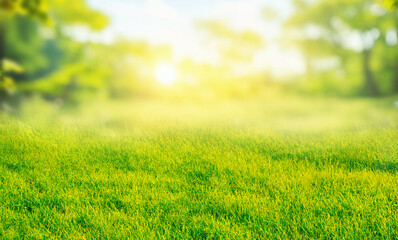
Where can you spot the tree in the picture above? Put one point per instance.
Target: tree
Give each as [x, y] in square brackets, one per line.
[8, 8]
[334, 24]
[236, 51]
[21, 25]
[235, 48]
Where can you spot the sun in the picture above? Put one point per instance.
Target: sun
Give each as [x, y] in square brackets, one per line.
[166, 74]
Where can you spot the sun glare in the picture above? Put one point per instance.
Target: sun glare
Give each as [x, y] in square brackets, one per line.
[166, 74]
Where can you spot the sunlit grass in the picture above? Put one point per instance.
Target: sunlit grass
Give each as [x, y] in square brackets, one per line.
[265, 168]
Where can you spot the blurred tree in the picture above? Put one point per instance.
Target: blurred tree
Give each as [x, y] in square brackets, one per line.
[33, 8]
[392, 43]
[236, 53]
[132, 64]
[43, 46]
[2, 52]
[391, 4]
[8, 8]
[76, 12]
[270, 14]
[235, 47]
[340, 28]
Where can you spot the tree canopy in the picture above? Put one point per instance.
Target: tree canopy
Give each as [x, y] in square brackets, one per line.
[348, 31]
[34, 8]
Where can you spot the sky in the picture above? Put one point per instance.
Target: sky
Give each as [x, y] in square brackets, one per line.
[172, 22]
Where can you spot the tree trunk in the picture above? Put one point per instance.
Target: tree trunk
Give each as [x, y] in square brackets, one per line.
[370, 86]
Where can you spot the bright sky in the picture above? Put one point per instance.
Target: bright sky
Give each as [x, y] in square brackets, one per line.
[173, 22]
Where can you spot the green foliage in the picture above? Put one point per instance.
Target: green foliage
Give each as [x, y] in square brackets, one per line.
[68, 82]
[34, 8]
[391, 4]
[234, 46]
[77, 12]
[7, 84]
[11, 66]
[326, 29]
[270, 14]
[42, 48]
[23, 44]
[71, 12]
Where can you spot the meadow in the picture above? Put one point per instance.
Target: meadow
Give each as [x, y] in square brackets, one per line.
[270, 168]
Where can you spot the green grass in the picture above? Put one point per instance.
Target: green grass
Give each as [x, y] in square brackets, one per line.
[277, 169]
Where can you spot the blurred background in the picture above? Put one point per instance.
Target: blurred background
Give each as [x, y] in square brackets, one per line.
[70, 52]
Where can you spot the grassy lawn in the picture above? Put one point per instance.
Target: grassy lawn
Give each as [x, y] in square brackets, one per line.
[287, 168]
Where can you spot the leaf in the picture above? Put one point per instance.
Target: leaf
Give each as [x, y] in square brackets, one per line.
[8, 85]
[11, 66]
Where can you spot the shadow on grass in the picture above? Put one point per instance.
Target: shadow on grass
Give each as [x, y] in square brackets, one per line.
[391, 167]
[345, 159]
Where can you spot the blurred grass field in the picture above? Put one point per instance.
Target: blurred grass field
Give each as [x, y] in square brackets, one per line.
[287, 168]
